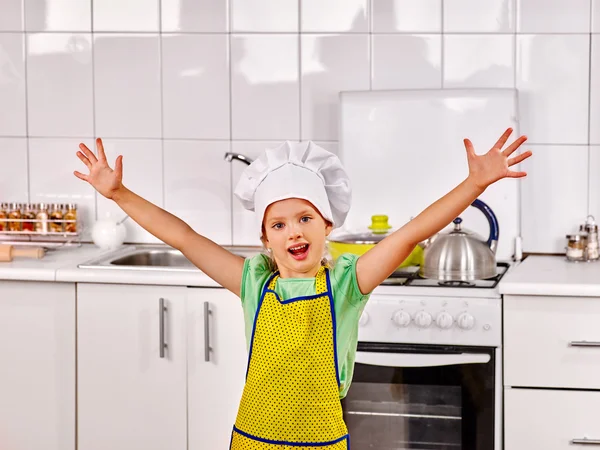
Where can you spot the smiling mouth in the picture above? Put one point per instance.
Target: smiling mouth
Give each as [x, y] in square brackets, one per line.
[299, 251]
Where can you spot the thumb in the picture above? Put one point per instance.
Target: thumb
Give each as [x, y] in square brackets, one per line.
[119, 166]
[469, 147]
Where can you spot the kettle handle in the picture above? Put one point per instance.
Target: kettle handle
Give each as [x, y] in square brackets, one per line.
[492, 241]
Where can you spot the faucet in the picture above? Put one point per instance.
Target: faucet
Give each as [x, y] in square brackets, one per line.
[229, 156]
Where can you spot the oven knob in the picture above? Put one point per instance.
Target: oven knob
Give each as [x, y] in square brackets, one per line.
[466, 321]
[423, 319]
[401, 318]
[444, 320]
[364, 318]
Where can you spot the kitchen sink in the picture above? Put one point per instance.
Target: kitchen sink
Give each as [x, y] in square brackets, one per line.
[154, 257]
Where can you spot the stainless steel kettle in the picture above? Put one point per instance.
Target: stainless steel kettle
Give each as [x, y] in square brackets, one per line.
[462, 255]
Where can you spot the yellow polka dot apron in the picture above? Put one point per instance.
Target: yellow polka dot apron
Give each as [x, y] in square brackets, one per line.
[291, 397]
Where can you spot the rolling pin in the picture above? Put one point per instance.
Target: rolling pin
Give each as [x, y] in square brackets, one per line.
[8, 252]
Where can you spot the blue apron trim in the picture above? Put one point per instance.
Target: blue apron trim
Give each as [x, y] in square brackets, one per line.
[262, 297]
[291, 444]
[296, 299]
[334, 326]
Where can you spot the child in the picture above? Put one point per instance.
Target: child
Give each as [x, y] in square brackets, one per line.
[301, 314]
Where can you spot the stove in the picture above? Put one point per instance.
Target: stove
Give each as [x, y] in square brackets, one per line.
[428, 365]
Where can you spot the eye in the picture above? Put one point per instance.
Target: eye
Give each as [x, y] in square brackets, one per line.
[305, 219]
[277, 226]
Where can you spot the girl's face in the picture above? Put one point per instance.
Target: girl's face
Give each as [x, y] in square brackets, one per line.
[295, 231]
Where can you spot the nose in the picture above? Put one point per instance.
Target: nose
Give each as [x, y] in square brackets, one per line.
[295, 231]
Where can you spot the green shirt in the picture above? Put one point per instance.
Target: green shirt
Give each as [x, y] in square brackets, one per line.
[348, 301]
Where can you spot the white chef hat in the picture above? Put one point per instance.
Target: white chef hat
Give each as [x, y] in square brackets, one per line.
[296, 170]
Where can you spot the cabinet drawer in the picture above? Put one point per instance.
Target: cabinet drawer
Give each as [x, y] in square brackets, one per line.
[552, 341]
[551, 419]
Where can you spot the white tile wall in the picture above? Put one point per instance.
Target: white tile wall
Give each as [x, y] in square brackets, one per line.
[190, 16]
[406, 61]
[479, 61]
[12, 85]
[12, 15]
[554, 195]
[174, 84]
[493, 16]
[408, 16]
[59, 67]
[553, 16]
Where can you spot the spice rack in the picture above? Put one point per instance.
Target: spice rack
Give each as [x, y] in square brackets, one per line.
[53, 224]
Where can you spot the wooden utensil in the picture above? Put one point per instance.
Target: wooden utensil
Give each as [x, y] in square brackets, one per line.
[8, 252]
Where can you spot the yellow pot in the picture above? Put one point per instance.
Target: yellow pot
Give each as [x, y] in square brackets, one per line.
[361, 242]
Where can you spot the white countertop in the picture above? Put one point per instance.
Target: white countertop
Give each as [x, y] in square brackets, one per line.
[536, 275]
[552, 275]
[61, 265]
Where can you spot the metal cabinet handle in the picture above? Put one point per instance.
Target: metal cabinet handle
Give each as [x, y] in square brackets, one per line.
[162, 309]
[585, 441]
[584, 344]
[207, 347]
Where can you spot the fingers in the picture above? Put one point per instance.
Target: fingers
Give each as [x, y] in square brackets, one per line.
[517, 159]
[100, 148]
[90, 156]
[469, 147]
[512, 174]
[500, 142]
[119, 166]
[80, 175]
[515, 145]
[84, 159]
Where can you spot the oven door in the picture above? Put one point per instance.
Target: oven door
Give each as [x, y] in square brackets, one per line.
[421, 397]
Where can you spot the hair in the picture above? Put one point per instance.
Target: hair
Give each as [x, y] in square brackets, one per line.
[326, 260]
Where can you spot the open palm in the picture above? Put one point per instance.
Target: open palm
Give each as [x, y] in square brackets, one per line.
[104, 179]
[495, 164]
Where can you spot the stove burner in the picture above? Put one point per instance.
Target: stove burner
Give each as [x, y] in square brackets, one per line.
[410, 276]
[457, 283]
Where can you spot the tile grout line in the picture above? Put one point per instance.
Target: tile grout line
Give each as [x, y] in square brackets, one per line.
[94, 131]
[229, 24]
[299, 34]
[24, 53]
[162, 104]
[442, 45]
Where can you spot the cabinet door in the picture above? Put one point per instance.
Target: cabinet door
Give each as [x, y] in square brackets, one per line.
[215, 386]
[129, 396]
[37, 366]
[551, 419]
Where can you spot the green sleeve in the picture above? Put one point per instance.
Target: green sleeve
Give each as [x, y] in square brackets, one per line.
[256, 271]
[345, 281]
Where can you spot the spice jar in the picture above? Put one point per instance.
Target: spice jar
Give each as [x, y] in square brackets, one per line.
[71, 215]
[14, 213]
[55, 224]
[3, 216]
[576, 246]
[41, 224]
[28, 218]
[590, 227]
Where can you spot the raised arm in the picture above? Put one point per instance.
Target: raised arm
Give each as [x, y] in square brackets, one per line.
[219, 264]
[380, 262]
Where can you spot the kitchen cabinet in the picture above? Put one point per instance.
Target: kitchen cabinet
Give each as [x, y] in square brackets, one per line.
[131, 365]
[551, 419]
[129, 396]
[37, 365]
[551, 372]
[217, 361]
[552, 342]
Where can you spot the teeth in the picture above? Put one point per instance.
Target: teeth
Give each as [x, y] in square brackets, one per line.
[299, 247]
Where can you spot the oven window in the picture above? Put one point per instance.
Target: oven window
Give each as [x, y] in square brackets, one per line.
[438, 407]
